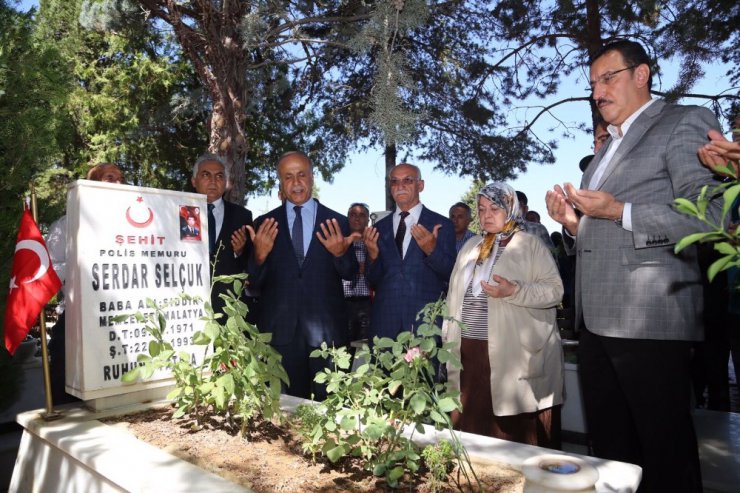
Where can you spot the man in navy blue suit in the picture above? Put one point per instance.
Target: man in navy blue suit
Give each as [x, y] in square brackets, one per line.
[231, 243]
[411, 267]
[301, 254]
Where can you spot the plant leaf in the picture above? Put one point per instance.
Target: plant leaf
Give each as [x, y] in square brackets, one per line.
[686, 206]
[718, 266]
[729, 198]
[418, 403]
[395, 474]
[447, 405]
[689, 240]
[336, 453]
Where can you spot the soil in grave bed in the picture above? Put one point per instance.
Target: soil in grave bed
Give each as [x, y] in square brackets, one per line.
[271, 460]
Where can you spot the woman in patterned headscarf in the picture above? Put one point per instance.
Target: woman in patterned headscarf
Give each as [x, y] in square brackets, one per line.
[504, 289]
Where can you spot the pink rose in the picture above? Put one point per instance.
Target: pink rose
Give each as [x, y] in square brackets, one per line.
[412, 354]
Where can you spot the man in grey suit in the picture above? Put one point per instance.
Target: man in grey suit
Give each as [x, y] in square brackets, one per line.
[638, 304]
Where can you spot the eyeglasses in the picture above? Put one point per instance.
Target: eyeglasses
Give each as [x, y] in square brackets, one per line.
[607, 78]
[406, 180]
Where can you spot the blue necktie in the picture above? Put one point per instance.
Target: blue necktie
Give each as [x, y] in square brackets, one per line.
[297, 235]
[211, 230]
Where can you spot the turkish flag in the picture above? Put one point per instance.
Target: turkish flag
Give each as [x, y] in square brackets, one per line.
[33, 283]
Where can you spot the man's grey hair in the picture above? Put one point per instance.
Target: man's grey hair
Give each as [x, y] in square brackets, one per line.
[418, 171]
[297, 153]
[207, 157]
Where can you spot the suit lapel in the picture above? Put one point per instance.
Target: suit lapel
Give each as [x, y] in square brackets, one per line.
[320, 216]
[634, 135]
[282, 219]
[387, 236]
[413, 248]
[225, 226]
[589, 173]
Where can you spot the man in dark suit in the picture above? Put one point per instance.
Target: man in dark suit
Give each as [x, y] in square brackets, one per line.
[301, 255]
[638, 304]
[410, 268]
[229, 244]
[190, 230]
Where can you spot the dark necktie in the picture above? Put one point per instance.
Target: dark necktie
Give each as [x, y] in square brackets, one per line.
[401, 232]
[297, 234]
[211, 230]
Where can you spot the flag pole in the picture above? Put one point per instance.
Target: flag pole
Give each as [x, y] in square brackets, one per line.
[50, 413]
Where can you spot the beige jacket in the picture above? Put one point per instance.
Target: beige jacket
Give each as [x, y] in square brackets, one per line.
[524, 346]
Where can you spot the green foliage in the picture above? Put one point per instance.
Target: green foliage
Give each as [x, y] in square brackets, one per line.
[240, 376]
[424, 69]
[33, 121]
[471, 199]
[70, 98]
[726, 242]
[373, 412]
[389, 23]
[307, 418]
[439, 460]
[124, 99]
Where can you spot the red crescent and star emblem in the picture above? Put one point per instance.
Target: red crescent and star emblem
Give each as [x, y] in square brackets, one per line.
[38, 249]
[141, 216]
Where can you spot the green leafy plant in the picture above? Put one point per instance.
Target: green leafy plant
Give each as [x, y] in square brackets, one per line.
[439, 460]
[306, 418]
[240, 375]
[373, 412]
[726, 241]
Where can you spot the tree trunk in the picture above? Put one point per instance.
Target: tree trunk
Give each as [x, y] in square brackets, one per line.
[227, 138]
[390, 162]
[214, 46]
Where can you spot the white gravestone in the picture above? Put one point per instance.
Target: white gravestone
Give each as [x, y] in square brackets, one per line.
[126, 244]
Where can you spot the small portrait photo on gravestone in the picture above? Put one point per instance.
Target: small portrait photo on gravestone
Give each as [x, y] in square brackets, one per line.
[190, 229]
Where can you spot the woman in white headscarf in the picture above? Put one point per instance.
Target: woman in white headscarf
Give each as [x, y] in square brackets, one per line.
[504, 289]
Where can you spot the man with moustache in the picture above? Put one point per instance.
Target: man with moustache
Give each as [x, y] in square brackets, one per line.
[411, 254]
[638, 304]
[228, 246]
[301, 254]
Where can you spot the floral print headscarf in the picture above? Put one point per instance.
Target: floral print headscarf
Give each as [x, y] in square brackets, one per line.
[504, 197]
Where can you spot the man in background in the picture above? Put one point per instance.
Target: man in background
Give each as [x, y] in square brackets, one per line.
[533, 217]
[461, 216]
[600, 137]
[357, 291]
[533, 228]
